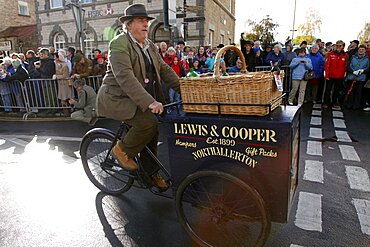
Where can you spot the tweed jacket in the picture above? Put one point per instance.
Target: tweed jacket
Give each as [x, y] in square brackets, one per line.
[122, 91]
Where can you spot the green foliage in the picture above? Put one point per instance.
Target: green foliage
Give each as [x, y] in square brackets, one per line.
[262, 30]
[364, 35]
[297, 40]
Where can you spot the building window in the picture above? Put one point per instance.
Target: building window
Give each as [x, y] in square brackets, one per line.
[59, 41]
[23, 8]
[89, 42]
[56, 4]
[210, 37]
[85, 1]
[222, 38]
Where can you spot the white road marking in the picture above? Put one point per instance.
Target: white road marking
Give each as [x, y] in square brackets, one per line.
[349, 153]
[336, 108]
[295, 245]
[342, 136]
[316, 112]
[308, 216]
[314, 148]
[314, 171]
[363, 213]
[316, 106]
[338, 114]
[339, 123]
[358, 178]
[315, 120]
[315, 133]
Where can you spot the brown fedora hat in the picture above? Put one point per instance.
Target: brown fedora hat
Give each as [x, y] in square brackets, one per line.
[134, 10]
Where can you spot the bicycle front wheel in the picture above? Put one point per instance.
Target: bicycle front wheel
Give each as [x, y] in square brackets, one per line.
[100, 166]
[218, 209]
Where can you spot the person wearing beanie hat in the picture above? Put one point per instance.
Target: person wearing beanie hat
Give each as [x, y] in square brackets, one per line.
[101, 67]
[196, 65]
[20, 73]
[353, 48]
[267, 49]
[302, 45]
[83, 67]
[289, 54]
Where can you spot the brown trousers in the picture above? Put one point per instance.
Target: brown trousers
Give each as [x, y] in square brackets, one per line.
[143, 132]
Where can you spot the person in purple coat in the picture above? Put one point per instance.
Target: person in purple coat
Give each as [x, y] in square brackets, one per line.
[318, 63]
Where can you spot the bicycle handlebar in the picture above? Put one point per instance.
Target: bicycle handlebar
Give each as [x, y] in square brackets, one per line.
[172, 104]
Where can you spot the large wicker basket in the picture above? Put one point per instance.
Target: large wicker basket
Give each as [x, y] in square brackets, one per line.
[252, 93]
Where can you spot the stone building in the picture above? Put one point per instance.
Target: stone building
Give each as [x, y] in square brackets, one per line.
[18, 26]
[200, 22]
[210, 22]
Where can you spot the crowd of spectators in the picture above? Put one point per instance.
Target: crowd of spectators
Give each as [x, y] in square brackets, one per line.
[339, 76]
[60, 67]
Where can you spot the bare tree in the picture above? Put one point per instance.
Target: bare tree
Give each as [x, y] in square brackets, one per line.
[364, 35]
[313, 23]
[263, 30]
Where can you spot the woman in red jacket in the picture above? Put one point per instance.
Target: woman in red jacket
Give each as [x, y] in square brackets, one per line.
[335, 72]
[177, 66]
[170, 54]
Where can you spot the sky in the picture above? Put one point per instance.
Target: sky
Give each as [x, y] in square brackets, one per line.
[340, 19]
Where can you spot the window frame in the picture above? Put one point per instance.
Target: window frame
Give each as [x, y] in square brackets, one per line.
[58, 44]
[55, 7]
[23, 4]
[211, 35]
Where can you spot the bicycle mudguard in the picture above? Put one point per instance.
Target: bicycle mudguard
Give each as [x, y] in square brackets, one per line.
[94, 131]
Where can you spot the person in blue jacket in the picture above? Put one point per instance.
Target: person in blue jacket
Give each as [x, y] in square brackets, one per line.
[299, 66]
[318, 63]
[357, 69]
[275, 57]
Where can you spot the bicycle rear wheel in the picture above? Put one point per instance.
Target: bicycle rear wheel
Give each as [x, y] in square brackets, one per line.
[100, 166]
[218, 209]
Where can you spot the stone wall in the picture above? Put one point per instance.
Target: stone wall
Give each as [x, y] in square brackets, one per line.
[10, 16]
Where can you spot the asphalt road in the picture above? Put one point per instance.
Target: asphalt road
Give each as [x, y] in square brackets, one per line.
[47, 200]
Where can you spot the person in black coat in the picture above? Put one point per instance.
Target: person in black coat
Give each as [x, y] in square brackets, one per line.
[20, 75]
[248, 52]
[45, 68]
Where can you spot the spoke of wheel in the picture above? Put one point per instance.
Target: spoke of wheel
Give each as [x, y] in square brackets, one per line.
[244, 218]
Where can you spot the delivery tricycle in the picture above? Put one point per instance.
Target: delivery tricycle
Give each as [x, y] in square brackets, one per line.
[230, 175]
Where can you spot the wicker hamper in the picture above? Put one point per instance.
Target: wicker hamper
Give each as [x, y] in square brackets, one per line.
[253, 93]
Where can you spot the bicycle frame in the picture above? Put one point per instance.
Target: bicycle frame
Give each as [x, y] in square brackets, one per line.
[125, 127]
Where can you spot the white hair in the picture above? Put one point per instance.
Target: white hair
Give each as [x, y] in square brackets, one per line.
[127, 23]
[278, 46]
[7, 60]
[315, 46]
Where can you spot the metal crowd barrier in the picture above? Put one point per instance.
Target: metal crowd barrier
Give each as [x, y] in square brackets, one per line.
[37, 95]
[12, 96]
[41, 95]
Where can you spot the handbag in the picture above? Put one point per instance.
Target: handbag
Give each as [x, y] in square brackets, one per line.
[309, 75]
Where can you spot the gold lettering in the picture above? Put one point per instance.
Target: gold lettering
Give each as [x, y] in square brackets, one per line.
[214, 131]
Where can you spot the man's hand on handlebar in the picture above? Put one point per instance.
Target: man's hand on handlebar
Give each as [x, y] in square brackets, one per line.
[156, 107]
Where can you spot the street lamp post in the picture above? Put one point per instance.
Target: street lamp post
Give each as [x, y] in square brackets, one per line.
[79, 16]
[295, 6]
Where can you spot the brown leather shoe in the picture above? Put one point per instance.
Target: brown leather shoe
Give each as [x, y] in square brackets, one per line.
[123, 159]
[159, 182]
